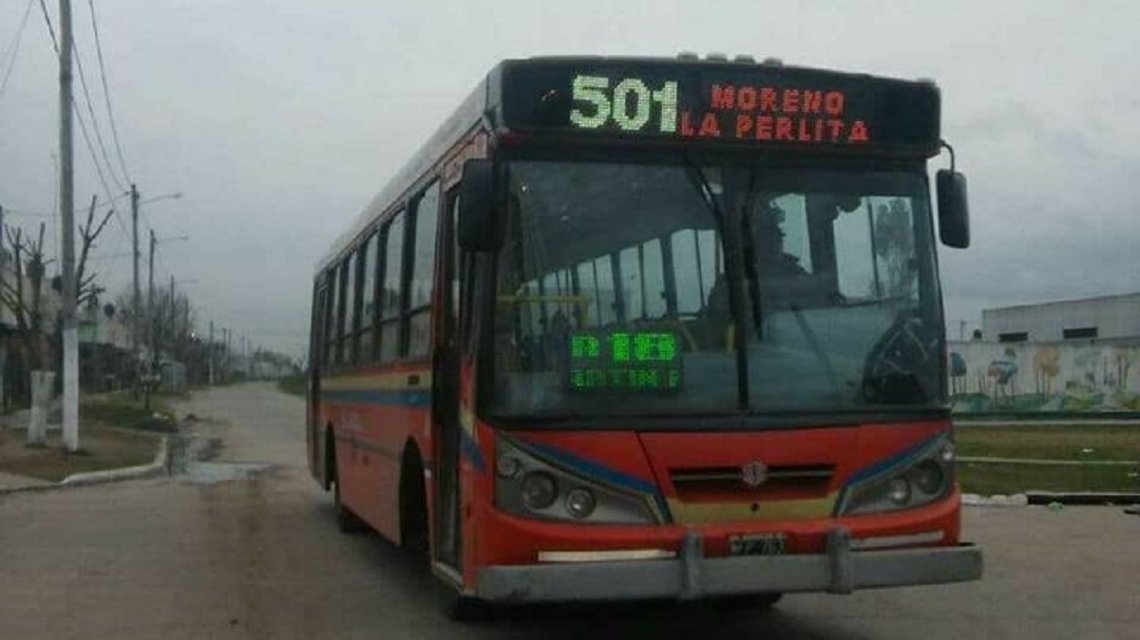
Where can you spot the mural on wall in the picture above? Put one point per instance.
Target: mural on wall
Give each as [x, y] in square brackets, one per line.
[989, 376]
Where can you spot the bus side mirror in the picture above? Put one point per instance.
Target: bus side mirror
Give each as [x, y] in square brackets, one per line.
[478, 229]
[953, 212]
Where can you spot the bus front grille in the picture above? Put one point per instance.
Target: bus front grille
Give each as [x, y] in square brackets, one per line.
[780, 482]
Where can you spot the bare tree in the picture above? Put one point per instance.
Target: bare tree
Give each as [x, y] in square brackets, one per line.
[86, 290]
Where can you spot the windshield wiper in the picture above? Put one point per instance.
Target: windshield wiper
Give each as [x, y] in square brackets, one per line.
[750, 272]
[697, 176]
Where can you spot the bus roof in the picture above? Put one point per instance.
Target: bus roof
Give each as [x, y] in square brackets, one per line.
[670, 101]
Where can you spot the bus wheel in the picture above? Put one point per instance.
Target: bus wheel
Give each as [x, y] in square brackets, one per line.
[751, 600]
[346, 520]
[459, 607]
[413, 505]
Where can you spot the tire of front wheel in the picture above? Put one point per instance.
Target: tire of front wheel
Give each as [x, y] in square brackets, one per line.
[459, 607]
[751, 600]
[346, 520]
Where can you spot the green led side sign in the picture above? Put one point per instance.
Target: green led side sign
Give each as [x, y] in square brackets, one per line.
[625, 361]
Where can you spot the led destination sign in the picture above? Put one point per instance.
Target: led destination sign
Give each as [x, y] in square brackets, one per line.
[750, 104]
[629, 361]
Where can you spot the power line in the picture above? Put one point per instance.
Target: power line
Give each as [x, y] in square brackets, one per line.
[94, 118]
[107, 92]
[14, 48]
[83, 125]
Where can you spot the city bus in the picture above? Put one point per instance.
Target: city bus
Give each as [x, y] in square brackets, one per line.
[651, 328]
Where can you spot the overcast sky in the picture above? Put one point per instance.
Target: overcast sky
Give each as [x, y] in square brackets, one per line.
[279, 119]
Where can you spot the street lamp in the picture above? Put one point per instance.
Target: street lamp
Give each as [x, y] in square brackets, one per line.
[169, 196]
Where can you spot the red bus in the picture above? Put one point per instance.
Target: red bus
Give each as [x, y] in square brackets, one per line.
[651, 328]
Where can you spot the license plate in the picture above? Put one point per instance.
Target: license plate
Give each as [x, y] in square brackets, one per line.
[759, 544]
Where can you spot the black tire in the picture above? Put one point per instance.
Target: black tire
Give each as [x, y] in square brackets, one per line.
[750, 600]
[413, 507]
[459, 607]
[346, 520]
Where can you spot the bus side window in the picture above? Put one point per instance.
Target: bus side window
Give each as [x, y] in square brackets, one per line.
[352, 304]
[874, 245]
[317, 324]
[328, 326]
[367, 313]
[422, 274]
[653, 279]
[344, 286]
[390, 293]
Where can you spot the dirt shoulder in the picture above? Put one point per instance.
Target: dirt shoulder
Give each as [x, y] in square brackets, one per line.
[101, 448]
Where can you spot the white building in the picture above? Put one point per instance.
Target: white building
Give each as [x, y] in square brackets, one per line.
[1104, 317]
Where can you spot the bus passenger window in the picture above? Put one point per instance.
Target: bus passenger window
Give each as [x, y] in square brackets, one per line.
[344, 286]
[367, 298]
[422, 274]
[328, 327]
[632, 289]
[606, 294]
[390, 293]
[653, 279]
[690, 289]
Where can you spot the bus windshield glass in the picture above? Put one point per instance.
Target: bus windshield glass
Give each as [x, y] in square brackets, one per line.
[714, 289]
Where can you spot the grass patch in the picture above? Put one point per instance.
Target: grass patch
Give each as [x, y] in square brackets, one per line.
[293, 385]
[1058, 442]
[102, 448]
[120, 410]
[1048, 442]
[1007, 479]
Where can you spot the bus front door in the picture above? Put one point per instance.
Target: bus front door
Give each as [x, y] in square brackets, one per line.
[446, 382]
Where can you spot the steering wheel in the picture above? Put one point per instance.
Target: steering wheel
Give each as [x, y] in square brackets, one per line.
[893, 367]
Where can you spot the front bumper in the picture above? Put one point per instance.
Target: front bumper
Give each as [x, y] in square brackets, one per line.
[691, 575]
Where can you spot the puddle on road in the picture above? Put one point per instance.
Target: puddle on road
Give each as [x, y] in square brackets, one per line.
[215, 472]
[192, 459]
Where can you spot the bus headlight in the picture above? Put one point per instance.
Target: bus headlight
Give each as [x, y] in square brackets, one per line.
[580, 503]
[530, 485]
[917, 478]
[539, 490]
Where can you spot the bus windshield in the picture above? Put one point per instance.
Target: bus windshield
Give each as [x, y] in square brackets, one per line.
[714, 289]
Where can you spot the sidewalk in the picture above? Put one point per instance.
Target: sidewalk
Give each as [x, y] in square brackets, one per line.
[13, 482]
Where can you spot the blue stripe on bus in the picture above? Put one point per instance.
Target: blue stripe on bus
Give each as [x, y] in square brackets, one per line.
[895, 460]
[591, 468]
[405, 397]
[470, 450]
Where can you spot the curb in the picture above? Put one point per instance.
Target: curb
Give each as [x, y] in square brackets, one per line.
[124, 473]
[1083, 497]
[1045, 462]
[157, 467]
[1045, 498]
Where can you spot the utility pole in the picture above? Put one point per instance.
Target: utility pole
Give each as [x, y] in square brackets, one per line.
[150, 322]
[136, 300]
[67, 231]
[210, 356]
[172, 334]
[3, 343]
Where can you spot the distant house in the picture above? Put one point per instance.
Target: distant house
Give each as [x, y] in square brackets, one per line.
[1114, 317]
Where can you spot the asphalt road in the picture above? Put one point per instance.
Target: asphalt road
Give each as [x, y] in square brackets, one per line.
[230, 552]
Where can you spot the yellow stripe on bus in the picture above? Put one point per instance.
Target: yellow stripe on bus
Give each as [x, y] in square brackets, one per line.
[717, 512]
[384, 381]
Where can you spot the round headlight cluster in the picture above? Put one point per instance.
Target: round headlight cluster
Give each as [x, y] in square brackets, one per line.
[928, 477]
[507, 466]
[538, 490]
[580, 503]
[899, 491]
